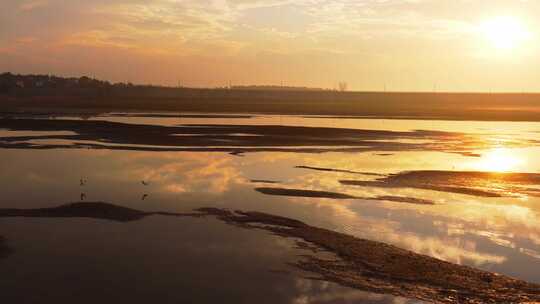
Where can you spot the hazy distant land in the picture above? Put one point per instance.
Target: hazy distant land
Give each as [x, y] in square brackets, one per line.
[55, 94]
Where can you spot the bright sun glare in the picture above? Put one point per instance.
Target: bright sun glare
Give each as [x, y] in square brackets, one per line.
[505, 33]
[499, 160]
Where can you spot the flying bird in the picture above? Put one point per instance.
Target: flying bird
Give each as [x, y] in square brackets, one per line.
[145, 183]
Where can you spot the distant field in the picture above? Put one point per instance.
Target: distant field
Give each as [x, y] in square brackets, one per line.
[454, 106]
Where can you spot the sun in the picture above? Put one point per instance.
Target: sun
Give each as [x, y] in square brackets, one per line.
[505, 33]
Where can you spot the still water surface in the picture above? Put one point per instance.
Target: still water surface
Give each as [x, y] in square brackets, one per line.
[202, 260]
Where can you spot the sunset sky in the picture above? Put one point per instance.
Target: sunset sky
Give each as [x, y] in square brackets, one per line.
[406, 45]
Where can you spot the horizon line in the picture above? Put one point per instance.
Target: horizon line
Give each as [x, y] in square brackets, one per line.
[285, 87]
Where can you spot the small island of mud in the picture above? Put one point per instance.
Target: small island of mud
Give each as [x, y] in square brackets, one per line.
[337, 195]
[339, 170]
[304, 193]
[264, 181]
[481, 184]
[94, 210]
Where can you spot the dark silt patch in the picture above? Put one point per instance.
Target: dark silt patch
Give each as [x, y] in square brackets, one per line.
[172, 115]
[481, 184]
[358, 263]
[95, 210]
[338, 170]
[402, 199]
[304, 193]
[263, 181]
[337, 195]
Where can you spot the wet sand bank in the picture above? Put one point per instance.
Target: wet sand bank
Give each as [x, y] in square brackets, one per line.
[474, 183]
[337, 195]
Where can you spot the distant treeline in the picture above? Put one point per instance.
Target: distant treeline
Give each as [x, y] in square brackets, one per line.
[46, 85]
[51, 93]
[11, 82]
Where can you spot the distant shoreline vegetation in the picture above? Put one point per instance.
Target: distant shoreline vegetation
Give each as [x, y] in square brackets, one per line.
[44, 93]
[10, 82]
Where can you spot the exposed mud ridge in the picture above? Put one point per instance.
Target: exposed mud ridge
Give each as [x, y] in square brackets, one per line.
[384, 154]
[401, 199]
[36, 113]
[304, 193]
[232, 138]
[482, 184]
[382, 268]
[362, 264]
[337, 195]
[172, 115]
[264, 181]
[339, 170]
[95, 210]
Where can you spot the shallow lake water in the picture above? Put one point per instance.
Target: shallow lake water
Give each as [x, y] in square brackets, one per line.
[491, 223]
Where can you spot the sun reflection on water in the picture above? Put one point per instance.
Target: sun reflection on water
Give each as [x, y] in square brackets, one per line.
[499, 160]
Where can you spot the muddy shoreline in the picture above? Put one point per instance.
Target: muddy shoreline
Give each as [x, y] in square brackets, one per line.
[381, 268]
[362, 264]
